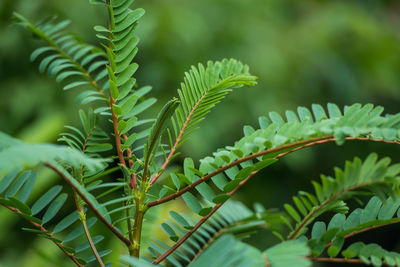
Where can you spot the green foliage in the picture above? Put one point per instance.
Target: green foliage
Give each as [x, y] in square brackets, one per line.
[117, 184]
[16, 154]
[357, 178]
[202, 89]
[372, 254]
[376, 213]
[233, 218]
[65, 56]
[288, 253]
[92, 140]
[16, 188]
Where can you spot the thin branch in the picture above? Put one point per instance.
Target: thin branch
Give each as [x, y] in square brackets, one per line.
[364, 230]
[178, 140]
[323, 204]
[41, 228]
[92, 246]
[297, 146]
[338, 260]
[200, 223]
[116, 132]
[61, 52]
[82, 216]
[90, 205]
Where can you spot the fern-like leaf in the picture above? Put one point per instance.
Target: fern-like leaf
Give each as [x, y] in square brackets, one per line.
[377, 213]
[15, 192]
[66, 56]
[275, 138]
[232, 218]
[357, 177]
[22, 155]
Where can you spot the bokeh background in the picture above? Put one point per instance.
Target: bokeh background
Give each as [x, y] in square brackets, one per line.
[304, 52]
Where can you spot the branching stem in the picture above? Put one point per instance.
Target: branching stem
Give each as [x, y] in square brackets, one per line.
[337, 260]
[90, 205]
[200, 223]
[365, 230]
[306, 220]
[295, 145]
[177, 142]
[116, 132]
[61, 52]
[41, 228]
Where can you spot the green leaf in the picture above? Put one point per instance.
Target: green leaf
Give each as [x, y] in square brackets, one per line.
[54, 207]
[128, 104]
[175, 181]
[192, 202]
[171, 233]
[136, 262]
[288, 253]
[21, 206]
[75, 84]
[159, 126]
[180, 220]
[98, 148]
[18, 183]
[221, 198]
[114, 89]
[124, 76]
[227, 251]
[131, 18]
[45, 199]
[66, 222]
[336, 246]
[84, 121]
[204, 87]
[292, 212]
[27, 188]
[8, 179]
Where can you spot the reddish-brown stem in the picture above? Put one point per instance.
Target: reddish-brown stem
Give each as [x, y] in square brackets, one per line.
[200, 223]
[364, 230]
[323, 204]
[90, 205]
[178, 140]
[338, 260]
[230, 165]
[297, 146]
[116, 132]
[41, 228]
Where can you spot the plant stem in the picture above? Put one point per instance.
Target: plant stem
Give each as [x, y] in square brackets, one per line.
[82, 217]
[338, 260]
[178, 140]
[296, 145]
[41, 228]
[116, 132]
[139, 216]
[90, 205]
[230, 165]
[200, 223]
[372, 227]
[89, 238]
[315, 211]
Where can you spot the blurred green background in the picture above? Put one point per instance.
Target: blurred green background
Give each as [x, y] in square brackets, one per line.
[303, 52]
